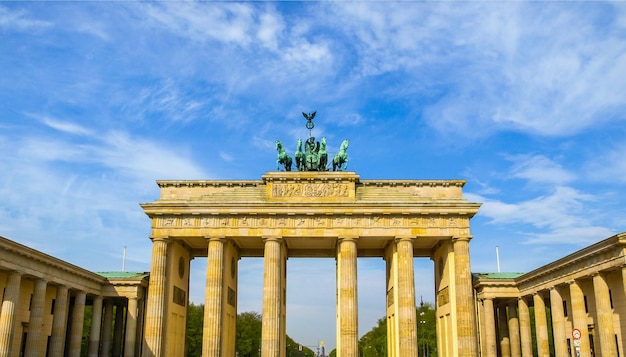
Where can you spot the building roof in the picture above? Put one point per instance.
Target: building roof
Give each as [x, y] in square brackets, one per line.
[496, 275]
[122, 274]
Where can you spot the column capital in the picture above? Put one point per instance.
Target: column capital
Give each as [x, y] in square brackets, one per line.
[15, 273]
[347, 238]
[215, 238]
[165, 239]
[405, 238]
[466, 238]
[278, 239]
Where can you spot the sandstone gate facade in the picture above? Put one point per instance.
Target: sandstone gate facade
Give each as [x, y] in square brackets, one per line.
[309, 214]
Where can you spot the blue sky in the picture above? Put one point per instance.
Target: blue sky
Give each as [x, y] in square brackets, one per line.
[524, 100]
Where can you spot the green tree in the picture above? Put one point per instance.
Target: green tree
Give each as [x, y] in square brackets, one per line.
[374, 342]
[247, 336]
[295, 349]
[426, 330]
[195, 321]
[247, 343]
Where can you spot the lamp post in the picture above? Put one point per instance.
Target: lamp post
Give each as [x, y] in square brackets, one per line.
[422, 326]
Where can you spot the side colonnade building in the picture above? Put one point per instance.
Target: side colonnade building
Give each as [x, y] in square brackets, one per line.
[46, 303]
[574, 306]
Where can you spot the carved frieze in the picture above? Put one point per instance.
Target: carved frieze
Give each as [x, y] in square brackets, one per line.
[252, 221]
[326, 189]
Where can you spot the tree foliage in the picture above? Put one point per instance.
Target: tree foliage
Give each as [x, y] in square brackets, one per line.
[195, 319]
[248, 340]
[247, 335]
[374, 342]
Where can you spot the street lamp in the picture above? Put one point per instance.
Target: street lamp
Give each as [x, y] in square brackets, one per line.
[422, 326]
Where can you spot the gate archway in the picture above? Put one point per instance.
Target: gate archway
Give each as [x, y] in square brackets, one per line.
[309, 214]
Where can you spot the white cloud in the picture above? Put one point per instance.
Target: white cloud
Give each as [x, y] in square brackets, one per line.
[67, 127]
[19, 20]
[580, 236]
[608, 165]
[145, 159]
[557, 217]
[539, 169]
[224, 22]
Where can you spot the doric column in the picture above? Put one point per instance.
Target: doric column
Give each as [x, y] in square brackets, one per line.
[481, 327]
[490, 328]
[213, 295]
[271, 333]
[514, 330]
[579, 317]
[118, 330]
[503, 328]
[96, 322]
[604, 316]
[407, 319]
[541, 326]
[157, 294]
[131, 328]
[35, 322]
[59, 322]
[624, 279]
[107, 327]
[524, 328]
[466, 318]
[78, 317]
[7, 314]
[347, 308]
[559, 334]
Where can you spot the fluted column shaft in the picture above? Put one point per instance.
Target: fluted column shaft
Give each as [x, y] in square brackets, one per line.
[559, 334]
[78, 319]
[35, 322]
[407, 319]
[490, 328]
[59, 322]
[503, 327]
[271, 333]
[155, 310]
[107, 327]
[131, 328]
[213, 298]
[541, 326]
[624, 279]
[347, 309]
[7, 314]
[604, 316]
[96, 323]
[466, 318]
[118, 329]
[482, 329]
[579, 317]
[514, 330]
[524, 328]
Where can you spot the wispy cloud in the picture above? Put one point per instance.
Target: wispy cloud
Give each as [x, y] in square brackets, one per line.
[67, 127]
[20, 20]
[551, 218]
[539, 169]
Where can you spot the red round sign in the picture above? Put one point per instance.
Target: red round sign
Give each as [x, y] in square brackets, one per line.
[576, 334]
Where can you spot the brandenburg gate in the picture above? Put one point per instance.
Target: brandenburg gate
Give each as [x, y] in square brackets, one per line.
[309, 214]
